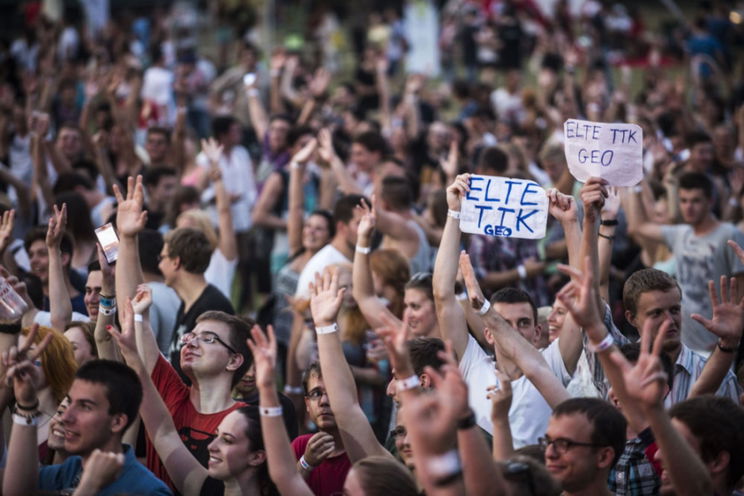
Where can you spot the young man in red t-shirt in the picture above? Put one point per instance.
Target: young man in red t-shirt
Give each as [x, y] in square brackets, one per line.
[322, 460]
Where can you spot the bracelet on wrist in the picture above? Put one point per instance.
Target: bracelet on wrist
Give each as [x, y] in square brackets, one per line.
[467, 422]
[329, 329]
[31, 408]
[445, 469]
[23, 419]
[411, 382]
[455, 214]
[293, 389]
[727, 349]
[138, 317]
[364, 250]
[483, 310]
[461, 296]
[522, 271]
[305, 466]
[106, 311]
[603, 345]
[608, 222]
[608, 238]
[14, 328]
[270, 411]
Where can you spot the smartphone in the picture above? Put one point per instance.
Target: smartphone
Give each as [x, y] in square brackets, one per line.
[109, 242]
[249, 79]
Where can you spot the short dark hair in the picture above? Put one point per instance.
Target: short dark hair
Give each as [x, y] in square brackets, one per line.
[494, 159]
[123, 387]
[312, 369]
[297, 132]
[153, 175]
[343, 210]
[696, 137]
[68, 181]
[38, 233]
[192, 247]
[372, 141]
[94, 266]
[643, 281]
[424, 352]
[396, 191]
[608, 424]
[240, 331]
[716, 421]
[221, 125]
[515, 295]
[697, 180]
[164, 131]
[150, 245]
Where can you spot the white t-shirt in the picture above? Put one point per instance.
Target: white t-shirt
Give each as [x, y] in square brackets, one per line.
[239, 178]
[529, 413]
[328, 255]
[221, 272]
[44, 318]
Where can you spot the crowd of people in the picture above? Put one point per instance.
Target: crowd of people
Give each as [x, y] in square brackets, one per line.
[290, 306]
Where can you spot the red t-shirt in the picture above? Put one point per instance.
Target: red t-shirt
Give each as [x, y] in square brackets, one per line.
[328, 477]
[197, 430]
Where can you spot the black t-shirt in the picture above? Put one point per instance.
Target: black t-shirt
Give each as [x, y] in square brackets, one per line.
[210, 299]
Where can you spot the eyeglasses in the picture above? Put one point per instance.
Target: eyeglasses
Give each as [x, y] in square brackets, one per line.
[316, 394]
[399, 431]
[206, 338]
[562, 445]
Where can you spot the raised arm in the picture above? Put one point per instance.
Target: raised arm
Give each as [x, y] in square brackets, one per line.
[395, 226]
[26, 378]
[327, 154]
[639, 224]
[105, 345]
[727, 323]
[358, 436]
[60, 305]
[296, 205]
[130, 220]
[449, 312]
[228, 243]
[280, 458]
[645, 384]
[502, 446]
[374, 311]
[185, 471]
[607, 229]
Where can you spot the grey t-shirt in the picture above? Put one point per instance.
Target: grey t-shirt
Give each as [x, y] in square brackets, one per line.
[699, 260]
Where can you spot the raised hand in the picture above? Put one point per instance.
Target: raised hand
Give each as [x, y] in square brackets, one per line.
[395, 339]
[101, 469]
[579, 298]
[142, 299]
[130, 217]
[107, 270]
[306, 152]
[737, 249]
[263, 348]
[471, 282]
[368, 220]
[728, 313]
[20, 371]
[455, 191]
[126, 339]
[325, 149]
[212, 150]
[593, 195]
[325, 298]
[562, 207]
[319, 82]
[56, 227]
[450, 164]
[611, 205]
[319, 447]
[645, 382]
[6, 229]
[501, 397]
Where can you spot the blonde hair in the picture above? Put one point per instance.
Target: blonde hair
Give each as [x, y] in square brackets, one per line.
[57, 361]
[200, 220]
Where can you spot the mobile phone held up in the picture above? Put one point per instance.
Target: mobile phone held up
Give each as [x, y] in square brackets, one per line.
[109, 241]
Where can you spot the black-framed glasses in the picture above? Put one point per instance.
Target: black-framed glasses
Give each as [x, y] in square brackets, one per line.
[561, 444]
[206, 338]
[316, 394]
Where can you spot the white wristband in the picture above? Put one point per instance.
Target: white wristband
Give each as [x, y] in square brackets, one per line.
[445, 465]
[461, 296]
[408, 383]
[455, 214]
[270, 411]
[364, 250]
[304, 464]
[603, 345]
[22, 420]
[252, 92]
[106, 311]
[138, 317]
[485, 307]
[522, 271]
[329, 329]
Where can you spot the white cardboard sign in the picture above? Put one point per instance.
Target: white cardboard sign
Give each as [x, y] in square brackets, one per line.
[608, 150]
[502, 206]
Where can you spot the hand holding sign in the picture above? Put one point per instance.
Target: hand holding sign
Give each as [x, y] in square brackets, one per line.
[611, 151]
[501, 206]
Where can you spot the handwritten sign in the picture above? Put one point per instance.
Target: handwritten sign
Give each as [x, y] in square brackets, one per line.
[501, 206]
[607, 150]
